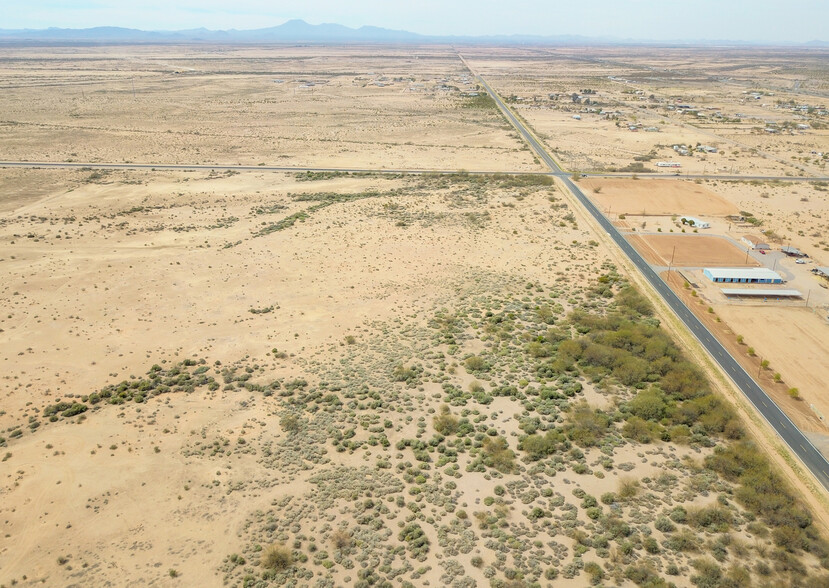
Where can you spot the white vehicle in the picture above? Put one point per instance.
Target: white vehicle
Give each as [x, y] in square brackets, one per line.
[800, 261]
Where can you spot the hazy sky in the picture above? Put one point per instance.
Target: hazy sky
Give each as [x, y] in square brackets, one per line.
[748, 20]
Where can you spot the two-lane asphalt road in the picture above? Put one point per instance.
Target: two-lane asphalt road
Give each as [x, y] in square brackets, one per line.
[788, 432]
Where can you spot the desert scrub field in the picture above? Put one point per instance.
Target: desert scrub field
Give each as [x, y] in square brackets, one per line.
[488, 430]
[573, 443]
[510, 440]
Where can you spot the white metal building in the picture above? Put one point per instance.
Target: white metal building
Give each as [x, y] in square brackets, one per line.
[742, 275]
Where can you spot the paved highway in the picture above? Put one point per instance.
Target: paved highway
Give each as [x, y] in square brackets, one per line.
[788, 432]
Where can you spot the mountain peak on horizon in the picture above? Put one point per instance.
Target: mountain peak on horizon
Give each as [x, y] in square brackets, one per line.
[298, 30]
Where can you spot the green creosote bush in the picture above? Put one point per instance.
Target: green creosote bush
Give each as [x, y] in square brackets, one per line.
[445, 422]
[416, 540]
[476, 363]
[498, 455]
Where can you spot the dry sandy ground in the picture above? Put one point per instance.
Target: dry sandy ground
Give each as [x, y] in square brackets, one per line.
[655, 197]
[102, 280]
[689, 251]
[774, 332]
[286, 106]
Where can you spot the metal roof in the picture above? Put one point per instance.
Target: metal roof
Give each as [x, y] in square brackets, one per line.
[753, 273]
[823, 270]
[755, 239]
[763, 293]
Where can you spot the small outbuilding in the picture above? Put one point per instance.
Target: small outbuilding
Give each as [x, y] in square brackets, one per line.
[754, 242]
[742, 275]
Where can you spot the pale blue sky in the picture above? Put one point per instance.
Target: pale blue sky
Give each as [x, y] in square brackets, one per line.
[747, 20]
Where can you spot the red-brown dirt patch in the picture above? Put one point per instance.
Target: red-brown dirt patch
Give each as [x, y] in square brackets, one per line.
[690, 251]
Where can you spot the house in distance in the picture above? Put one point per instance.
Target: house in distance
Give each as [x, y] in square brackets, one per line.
[755, 242]
[695, 222]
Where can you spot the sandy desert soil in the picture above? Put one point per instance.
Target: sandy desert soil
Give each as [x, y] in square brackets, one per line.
[656, 197]
[259, 379]
[298, 106]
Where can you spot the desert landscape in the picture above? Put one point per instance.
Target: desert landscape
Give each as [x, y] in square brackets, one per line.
[428, 368]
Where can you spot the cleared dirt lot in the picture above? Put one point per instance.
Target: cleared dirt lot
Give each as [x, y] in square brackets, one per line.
[690, 251]
[794, 340]
[652, 197]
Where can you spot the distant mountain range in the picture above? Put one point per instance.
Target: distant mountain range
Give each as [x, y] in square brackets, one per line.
[299, 31]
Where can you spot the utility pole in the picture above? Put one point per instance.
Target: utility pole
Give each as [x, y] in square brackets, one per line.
[808, 294]
[670, 263]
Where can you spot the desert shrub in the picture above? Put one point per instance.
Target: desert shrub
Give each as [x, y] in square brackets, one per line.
[628, 488]
[631, 370]
[66, 409]
[586, 425]
[649, 404]
[679, 515]
[790, 538]
[498, 455]
[415, 539]
[538, 446]
[684, 381]
[761, 490]
[711, 518]
[682, 541]
[476, 363]
[569, 351]
[445, 422]
[538, 350]
[341, 539]
[643, 575]
[595, 572]
[410, 375]
[290, 423]
[640, 430]
[614, 527]
[664, 524]
[709, 574]
[276, 557]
